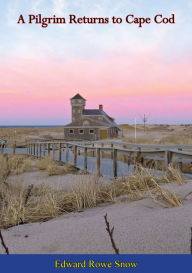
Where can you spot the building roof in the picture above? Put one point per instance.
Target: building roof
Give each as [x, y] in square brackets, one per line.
[77, 96]
[95, 112]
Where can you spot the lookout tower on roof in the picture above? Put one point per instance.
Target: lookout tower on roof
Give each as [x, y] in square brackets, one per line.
[77, 107]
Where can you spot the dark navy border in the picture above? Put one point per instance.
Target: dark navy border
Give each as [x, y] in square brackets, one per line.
[145, 263]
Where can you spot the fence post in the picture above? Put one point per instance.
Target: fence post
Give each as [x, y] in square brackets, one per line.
[48, 147]
[44, 149]
[180, 163]
[85, 159]
[14, 147]
[112, 151]
[75, 155]
[93, 154]
[53, 150]
[67, 152]
[34, 149]
[102, 152]
[124, 156]
[98, 161]
[60, 151]
[168, 158]
[115, 163]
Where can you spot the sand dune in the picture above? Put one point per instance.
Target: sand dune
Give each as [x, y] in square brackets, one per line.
[140, 227]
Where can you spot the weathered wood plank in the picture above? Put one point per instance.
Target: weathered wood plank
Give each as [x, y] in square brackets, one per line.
[115, 162]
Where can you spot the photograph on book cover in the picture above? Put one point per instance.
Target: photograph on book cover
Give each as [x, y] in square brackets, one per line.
[95, 127]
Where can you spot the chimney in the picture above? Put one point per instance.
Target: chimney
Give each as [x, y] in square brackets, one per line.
[101, 107]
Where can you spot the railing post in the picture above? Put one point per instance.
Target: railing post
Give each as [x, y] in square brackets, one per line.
[48, 148]
[44, 149]
[53, 150]
[14, 147]
[124, 156]
[112, 151]
[60, 151]
[34, 149]
[102, 152]
[40, 149]
[85, 159]
[67, 152]
[168, 158]
[75, 155]
[93, 154]
[98, 161]
[37, 149]
[180, 163]
[115, 163]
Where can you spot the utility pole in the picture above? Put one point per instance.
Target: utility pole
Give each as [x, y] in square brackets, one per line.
[145, 119]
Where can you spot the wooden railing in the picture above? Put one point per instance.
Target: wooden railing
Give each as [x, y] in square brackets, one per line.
[114, 152]
[167, 154]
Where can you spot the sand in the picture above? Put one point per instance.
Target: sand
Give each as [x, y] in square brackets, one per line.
[58, 182]
[140, 227]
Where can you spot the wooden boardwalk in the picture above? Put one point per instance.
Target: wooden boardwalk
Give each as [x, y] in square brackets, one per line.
[111, 159]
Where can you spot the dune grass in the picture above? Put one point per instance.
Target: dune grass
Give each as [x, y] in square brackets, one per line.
[21, 204]
[52, 167]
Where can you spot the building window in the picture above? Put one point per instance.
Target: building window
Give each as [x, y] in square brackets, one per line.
[81, 131]
[71, 131]
[91, 131]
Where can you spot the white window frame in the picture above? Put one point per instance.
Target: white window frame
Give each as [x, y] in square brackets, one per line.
[71, 133]
[92, 132]
[80, 132]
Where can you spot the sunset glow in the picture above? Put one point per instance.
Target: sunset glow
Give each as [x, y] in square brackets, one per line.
[130, 71]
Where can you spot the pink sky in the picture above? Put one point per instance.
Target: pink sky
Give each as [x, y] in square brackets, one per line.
[38, 90]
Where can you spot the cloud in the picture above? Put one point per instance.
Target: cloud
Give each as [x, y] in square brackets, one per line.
[60, 7]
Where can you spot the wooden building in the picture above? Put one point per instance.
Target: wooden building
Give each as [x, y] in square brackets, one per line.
[89, 124]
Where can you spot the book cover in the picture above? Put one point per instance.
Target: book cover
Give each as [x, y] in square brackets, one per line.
[95, 129]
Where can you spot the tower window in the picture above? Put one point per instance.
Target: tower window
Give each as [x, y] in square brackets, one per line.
[71, 131]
